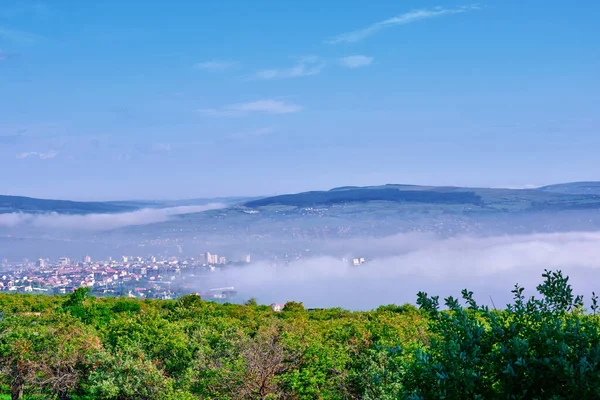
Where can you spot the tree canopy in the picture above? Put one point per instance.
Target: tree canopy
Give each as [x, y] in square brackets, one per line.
[82, 347]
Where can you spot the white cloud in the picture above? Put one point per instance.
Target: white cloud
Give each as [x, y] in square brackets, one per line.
[306, 66]
[402, 19]
[41, 156]
[253, 107]
[95, 222]
[356, 61]
[402, 265]
[215, 65]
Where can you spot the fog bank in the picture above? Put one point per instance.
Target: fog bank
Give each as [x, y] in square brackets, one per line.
[490, 266]
[99, 222]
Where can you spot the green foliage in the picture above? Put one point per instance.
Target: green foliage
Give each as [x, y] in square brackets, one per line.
[81, 347]
[537, 348]
[127, 374]
[292, 306]
[126, 305]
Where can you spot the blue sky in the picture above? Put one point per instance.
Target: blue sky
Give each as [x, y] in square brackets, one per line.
[179, 99]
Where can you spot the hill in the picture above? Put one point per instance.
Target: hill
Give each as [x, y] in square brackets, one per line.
[590, 188]
[352, 195]
[560, 197]
[9, 204]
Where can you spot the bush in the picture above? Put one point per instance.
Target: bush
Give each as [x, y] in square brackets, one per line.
[81, 347]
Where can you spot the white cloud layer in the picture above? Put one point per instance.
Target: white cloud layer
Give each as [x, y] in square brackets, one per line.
[99, 222]
[253, 107]
[490, 266]
[402, 19]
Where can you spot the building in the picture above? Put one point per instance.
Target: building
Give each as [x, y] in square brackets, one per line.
[247, 258]
[212, 258]
[87, 259]
[358, 261]
[277, 307]
[64, 261]
[41, 263]
[222, 260]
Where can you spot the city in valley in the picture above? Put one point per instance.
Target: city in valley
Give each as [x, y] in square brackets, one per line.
[139, 277]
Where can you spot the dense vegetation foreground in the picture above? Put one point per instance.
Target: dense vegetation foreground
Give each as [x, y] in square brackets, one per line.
[82, 347]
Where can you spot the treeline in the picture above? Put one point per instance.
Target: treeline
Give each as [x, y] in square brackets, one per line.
[80, 347]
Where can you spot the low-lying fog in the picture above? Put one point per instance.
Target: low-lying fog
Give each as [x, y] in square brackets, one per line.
[397, 266]
[488, 266]
[99, 222]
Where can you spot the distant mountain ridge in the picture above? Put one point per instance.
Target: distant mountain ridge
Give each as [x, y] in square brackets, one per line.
[570, 196]
[9, 204]
[574, 188]
[350, 195]
[565, 196]
[30, 205]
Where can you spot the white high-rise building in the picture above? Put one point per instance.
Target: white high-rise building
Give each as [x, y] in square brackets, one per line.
[212, 258]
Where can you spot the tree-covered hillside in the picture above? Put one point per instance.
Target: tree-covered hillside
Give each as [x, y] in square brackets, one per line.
[82, 347]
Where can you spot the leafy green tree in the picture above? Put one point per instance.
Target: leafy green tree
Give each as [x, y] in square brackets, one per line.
[293, 306]
[537, 348]
[45, 353]
[127, 374]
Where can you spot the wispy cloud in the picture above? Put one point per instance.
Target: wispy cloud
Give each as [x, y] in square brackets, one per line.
[215, 65]
[18, 37]
[402, 19]
[41, 156]
[253, 107]
[305, 66]
[356, 61]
